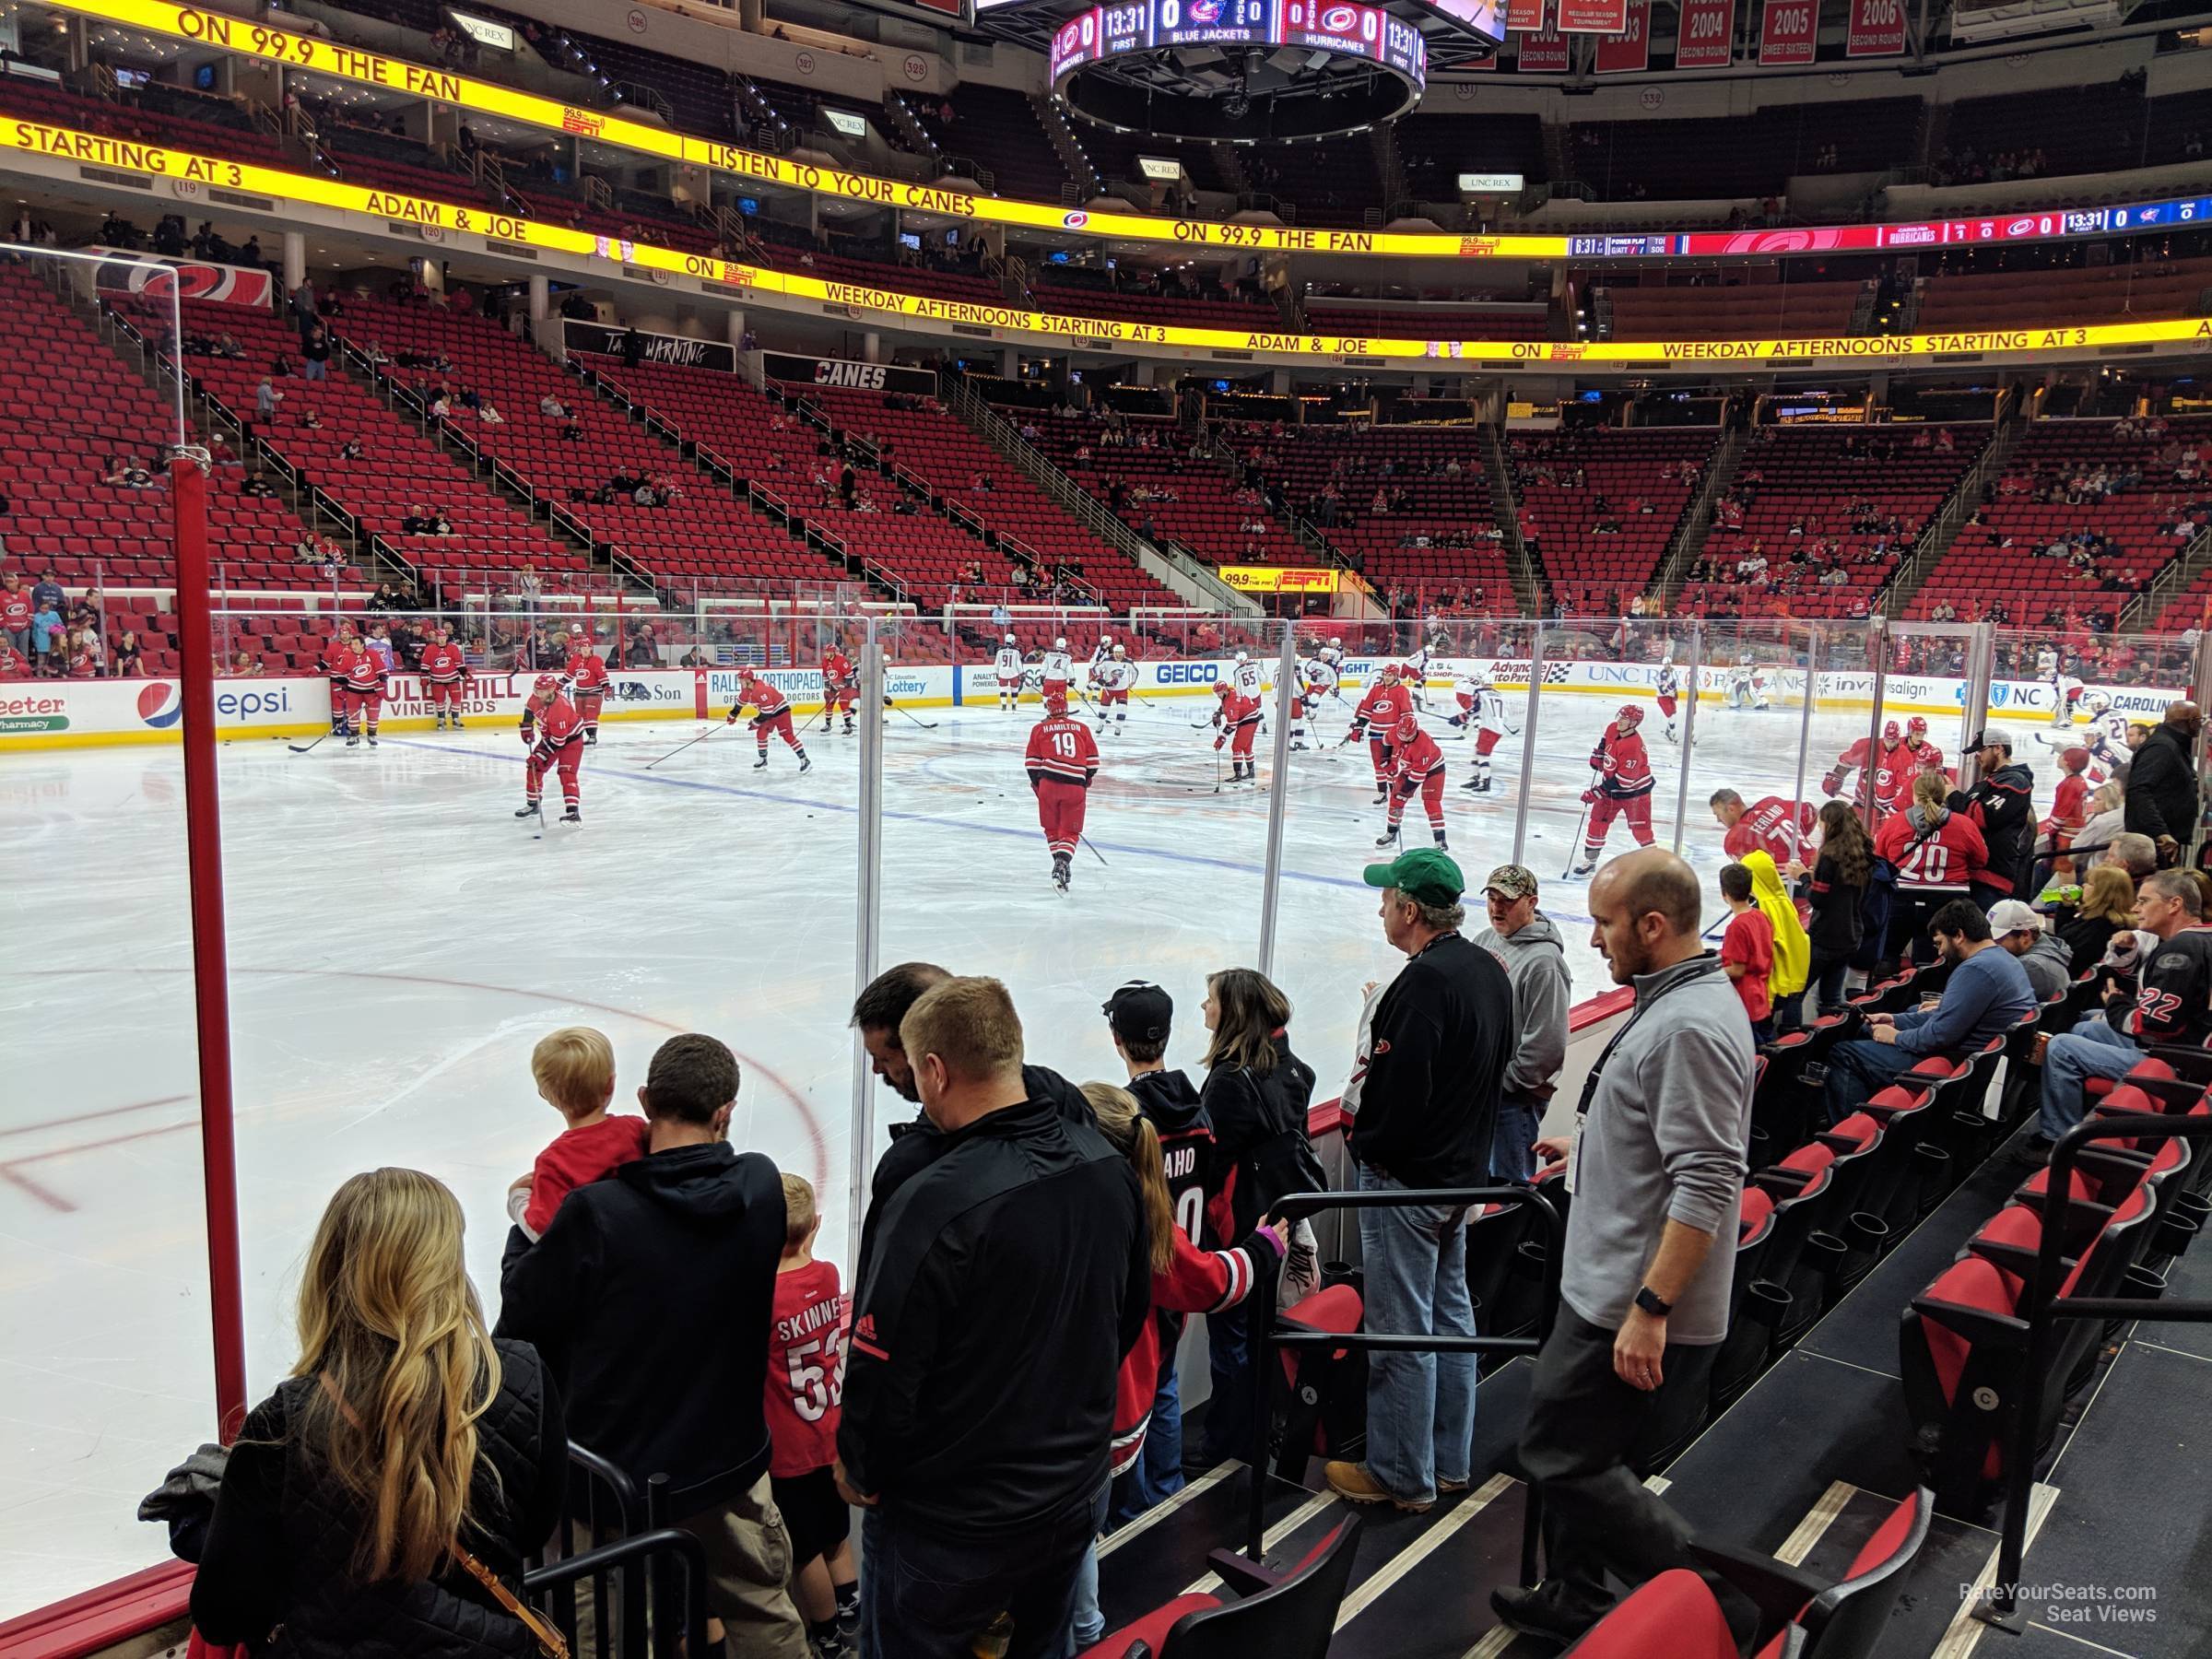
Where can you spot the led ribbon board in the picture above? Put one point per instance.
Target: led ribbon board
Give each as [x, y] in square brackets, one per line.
[1102, 333]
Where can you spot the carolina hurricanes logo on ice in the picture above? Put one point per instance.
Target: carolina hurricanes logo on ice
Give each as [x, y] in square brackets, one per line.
[159, 705]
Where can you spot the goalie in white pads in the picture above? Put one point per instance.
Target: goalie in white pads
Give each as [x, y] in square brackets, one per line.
[1746, 685]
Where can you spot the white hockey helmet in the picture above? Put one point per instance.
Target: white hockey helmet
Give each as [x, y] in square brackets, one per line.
[1105, 639]
[1009, 638]
[1241, 657]
[1059, 644]
[2097, 702]
[1121, 650]
[1335, 641]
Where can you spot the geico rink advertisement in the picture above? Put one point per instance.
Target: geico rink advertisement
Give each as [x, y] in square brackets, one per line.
[61, 713]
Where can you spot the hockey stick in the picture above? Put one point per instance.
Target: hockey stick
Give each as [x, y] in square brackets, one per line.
[301, 748]
[1094, 852]
[928, 725]
[680, 747]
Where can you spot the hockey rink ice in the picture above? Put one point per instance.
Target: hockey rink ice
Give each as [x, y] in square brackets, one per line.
[398, 941]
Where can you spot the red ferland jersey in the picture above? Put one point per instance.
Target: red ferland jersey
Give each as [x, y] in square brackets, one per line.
[337, 656]
[2070, 806]
[1063, 748]
[1766, 828]
[1627, 769]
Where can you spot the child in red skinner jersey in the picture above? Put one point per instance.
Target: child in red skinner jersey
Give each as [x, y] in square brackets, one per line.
[575, 1072]
[1748, 950]
[806, 1384]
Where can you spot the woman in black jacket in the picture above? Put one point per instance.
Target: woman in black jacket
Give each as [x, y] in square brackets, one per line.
[2107, 904]
[406, 1464]
[1838, 895]
[1255, 1095]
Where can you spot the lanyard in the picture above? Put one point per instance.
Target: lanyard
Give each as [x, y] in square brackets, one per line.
[1643, 1007]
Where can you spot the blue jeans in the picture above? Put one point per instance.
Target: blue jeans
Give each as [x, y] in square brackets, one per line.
[1514, 1143]
[1421, 1407]
[923, 1595]
[1228, 1407]
[1089, 1621]
[1156, 1475]
[313, 369]
[1859, 1070]
[2093, 1049]
[1827, 976]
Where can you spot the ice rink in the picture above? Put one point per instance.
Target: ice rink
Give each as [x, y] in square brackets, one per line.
[398, 941]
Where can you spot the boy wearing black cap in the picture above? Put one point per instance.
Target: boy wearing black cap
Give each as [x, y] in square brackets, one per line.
[1140, 1014]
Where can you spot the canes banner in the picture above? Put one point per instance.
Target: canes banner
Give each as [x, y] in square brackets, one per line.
[1594, 16]
[1705, 34]
[1877, 28]
[1629, 52]
[1543, 52]
[1790, 32]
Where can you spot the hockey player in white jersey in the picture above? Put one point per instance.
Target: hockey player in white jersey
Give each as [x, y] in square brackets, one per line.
[1746, 686]
[1245, 676]
[1667, 687]
[1008, 665]
[1112, 679]
[1481, 712]
[1056, 670]
[1316, 680]
[1333, 654]
[2106, 739]
[1102, 650]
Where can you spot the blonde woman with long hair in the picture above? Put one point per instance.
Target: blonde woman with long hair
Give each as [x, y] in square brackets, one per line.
[406, 1460]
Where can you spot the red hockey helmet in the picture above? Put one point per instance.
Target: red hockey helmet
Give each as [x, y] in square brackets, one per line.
[1632, 714]
[1387, 675]
[546, 682]
[1220, 688]
[1055, 704]
[1916, 727]
[1892, 732]
[1407, 728]
[2074, 761]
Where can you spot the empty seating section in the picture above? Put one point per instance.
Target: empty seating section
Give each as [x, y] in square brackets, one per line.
[1429, 319]
[399, 471]
[1754, 310]
[208, 125]
[997, 129]
[700, 96]
[1704, 160]
[1115, 153]
[702, 536]
[2151, 289]
[387, 161]
[1191, 498]
[67, 406]
[1829, 494]
[1584, 497]
[1440, 536]
[2004, 558]
[1435, 150]
[1337, 181]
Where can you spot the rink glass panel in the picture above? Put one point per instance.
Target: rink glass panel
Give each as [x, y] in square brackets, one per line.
[106, 1325]
[1167, 885]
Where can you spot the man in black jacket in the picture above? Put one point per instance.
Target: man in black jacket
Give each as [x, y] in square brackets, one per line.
[2161, 784]
[1440, 1044]
[650, 1297]
[1011, 1274]
[2002, 804]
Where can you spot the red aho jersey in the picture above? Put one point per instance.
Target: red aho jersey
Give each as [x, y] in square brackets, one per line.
[1626, 767]
[554, 725]
[1417, 760]
[763, 698]
[442, 663]
[1197, 1281]
[1379, 711]
[587, 671]
[805, 1384]
[1766, 828]
[1951, 858]
[1061, 749]
[365, 673]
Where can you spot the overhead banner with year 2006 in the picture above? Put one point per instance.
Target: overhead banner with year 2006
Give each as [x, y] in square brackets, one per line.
[1629, 52]
[1877, 28]
[1790, 32]
[1705, 34]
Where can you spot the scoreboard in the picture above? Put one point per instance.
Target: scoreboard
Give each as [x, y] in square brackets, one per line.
[1345, 28]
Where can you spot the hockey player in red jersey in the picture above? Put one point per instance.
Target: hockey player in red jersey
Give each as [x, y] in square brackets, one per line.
[1239, 719]
[337, 655]
[1764, 827]
[1375, 719]
[841, 689]
[771, 716]
[1891, 764]
[586, 675]
[1416, 768]
[1622, 787]
[553, 728]
[364, 688]
[1061, 759]
[444, 676]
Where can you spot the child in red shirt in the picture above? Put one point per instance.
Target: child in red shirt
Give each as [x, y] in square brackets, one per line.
[575, 1072]
[806, 1386]
[1748, 950]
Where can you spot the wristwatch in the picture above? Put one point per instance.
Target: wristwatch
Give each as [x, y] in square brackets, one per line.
[1650, 1302]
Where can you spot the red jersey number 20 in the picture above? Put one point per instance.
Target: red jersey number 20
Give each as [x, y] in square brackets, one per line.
[818, 1374]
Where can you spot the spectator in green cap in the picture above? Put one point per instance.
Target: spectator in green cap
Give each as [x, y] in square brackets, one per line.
[1437, 1049]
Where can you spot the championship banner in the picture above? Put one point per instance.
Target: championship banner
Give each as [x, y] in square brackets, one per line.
[1279, 578]
[121, 271]
[680, 350]
[841, 373]
[1705, 34]
[1594, 16]
[1789, 32]
[1629, 52]
[1543, 52]
[1877, 28]
[1524, 17]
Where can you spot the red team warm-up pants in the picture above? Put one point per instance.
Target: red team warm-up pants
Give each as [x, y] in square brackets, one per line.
[355, 705]
[1432, 790]
[843, 697]
[1060, 814]
[1239, 740]
[443, 692]
[1378, 752]
[779, 724]
[1636, 809]
[587, 708]
[564, 757]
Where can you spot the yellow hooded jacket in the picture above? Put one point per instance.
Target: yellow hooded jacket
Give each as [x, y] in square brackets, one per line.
[1793, 950]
